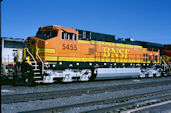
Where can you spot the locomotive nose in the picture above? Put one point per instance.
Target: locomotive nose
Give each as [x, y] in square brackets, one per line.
[30, 41]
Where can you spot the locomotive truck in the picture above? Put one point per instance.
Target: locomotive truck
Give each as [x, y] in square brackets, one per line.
[64, 54]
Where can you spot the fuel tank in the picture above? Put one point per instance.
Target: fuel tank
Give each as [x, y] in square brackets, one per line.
[117, 73]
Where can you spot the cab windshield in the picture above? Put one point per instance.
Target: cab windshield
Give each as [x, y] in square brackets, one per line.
[45, 35]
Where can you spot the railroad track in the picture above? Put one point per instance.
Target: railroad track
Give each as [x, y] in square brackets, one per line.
[7, 99]
[131, 105]
[121, 104]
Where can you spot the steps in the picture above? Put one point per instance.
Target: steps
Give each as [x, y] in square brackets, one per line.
[37, 72]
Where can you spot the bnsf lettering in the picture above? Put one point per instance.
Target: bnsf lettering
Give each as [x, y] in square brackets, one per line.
[115, 52]
[69, 47]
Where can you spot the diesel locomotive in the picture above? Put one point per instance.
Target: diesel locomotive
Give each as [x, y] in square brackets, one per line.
[65, 54]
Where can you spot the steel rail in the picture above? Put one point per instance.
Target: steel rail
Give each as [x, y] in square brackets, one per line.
[115, 108]
[130, 105]
[6, 99]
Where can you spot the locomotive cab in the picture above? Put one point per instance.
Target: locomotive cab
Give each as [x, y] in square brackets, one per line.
[46, 33]
[50, 41]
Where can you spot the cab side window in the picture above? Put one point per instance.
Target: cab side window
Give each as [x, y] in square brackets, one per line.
[75, 37]
[63, 36]
[68, 36]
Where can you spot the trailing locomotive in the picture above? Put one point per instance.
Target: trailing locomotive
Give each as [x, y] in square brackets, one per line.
[64, 54]
[11, 49]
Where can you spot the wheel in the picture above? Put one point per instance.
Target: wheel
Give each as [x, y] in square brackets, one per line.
[29, 80]
[146, 75]
[157, 75]
[93, 75]
[164, 74]
[86, 74]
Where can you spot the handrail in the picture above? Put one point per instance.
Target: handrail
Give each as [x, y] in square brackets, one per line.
[31, 56]
[40, 61]
[165, 64]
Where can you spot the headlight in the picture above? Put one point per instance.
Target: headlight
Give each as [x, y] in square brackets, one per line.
[26, 58]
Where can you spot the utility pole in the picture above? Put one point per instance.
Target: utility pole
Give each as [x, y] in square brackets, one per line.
[0, 39]
[0, 18]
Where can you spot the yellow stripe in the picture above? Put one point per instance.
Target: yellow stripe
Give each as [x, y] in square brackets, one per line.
[24, 53]
[78, 59]
[85, 42]
[8, 63]
[46, 50]
[17, 54]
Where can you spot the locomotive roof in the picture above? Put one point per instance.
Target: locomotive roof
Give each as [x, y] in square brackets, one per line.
[13, 39]
[150, 44]
[103, 37]
[59, 27]
[95, 32]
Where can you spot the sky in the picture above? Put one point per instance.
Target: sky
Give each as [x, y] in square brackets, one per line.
[142, 20]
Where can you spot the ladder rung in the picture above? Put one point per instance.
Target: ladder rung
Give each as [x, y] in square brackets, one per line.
[39, 81]
[36, 69]
[36, 72]
[35, 65]
[38, 77]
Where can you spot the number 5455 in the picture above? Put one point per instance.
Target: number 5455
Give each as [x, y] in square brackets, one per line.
[69, 46]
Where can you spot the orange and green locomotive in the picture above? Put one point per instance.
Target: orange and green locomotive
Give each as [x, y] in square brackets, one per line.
[65, 54]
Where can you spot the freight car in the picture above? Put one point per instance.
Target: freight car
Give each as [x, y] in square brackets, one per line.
[64, 54]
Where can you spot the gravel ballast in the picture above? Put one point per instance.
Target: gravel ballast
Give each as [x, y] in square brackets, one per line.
[42, 104]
